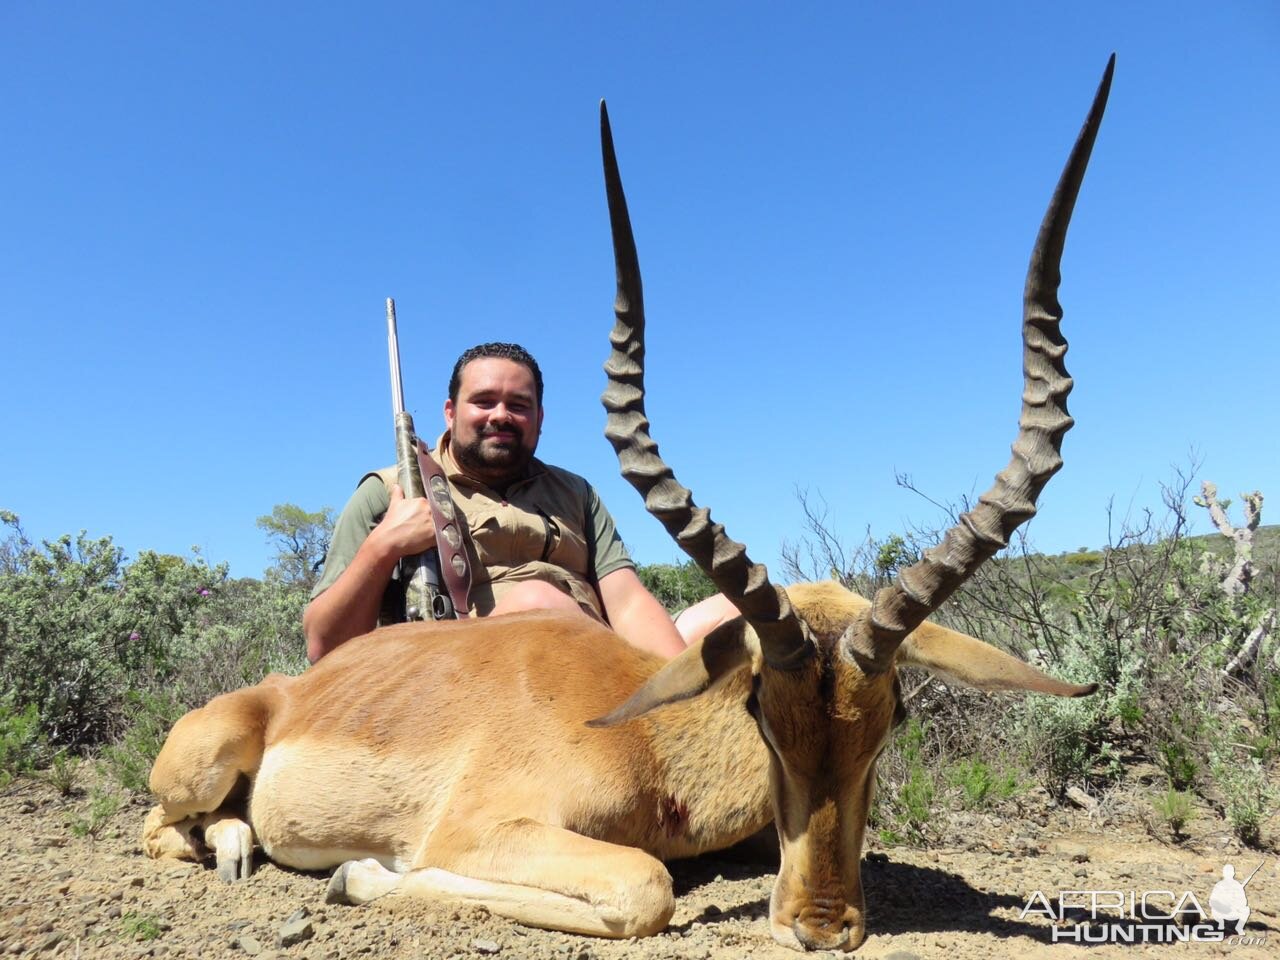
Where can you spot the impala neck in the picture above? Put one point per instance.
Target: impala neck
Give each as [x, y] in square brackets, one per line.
[714, 769]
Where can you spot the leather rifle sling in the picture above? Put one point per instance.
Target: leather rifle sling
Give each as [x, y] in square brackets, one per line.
[451, 536]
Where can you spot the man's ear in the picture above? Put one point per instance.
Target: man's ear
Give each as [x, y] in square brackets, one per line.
[448, 413]
[727, 649]
[976, 664]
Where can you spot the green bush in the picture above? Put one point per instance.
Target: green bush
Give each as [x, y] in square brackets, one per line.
[980, 784]
[904, 805]
[676, 585]
[21, 745]
[94, 644]
[1173, 808]
[1248, 796]
[149, 717]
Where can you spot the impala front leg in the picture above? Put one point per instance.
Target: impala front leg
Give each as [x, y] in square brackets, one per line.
[536, 874]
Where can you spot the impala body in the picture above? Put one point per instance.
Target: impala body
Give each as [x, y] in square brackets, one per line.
[537, 765]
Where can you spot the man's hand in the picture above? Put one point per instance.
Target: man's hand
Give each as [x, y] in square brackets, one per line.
[350, 606]
[407, 528]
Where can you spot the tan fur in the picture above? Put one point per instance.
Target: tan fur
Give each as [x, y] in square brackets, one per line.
[455, 760]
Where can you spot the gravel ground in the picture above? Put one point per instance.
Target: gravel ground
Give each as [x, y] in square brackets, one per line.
[68, 896]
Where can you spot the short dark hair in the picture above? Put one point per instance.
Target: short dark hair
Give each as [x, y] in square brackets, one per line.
[502, 351]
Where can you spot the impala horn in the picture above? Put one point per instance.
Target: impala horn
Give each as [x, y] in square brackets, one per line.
[920, 589]
[784, 637]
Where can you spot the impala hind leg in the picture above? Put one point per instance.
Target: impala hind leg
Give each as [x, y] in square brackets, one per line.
[210, 754]
[536, 874]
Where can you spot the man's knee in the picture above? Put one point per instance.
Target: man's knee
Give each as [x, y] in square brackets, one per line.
[534, 595]
[704, 616]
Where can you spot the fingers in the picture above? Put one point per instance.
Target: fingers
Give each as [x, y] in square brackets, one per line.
[408, 525]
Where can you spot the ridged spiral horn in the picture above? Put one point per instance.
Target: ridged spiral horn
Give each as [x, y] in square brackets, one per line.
[921, 588]
[784, 638]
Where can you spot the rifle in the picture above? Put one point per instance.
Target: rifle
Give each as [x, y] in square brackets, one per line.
[423, 594]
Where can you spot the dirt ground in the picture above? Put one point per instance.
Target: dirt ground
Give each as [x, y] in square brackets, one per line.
[68, 896]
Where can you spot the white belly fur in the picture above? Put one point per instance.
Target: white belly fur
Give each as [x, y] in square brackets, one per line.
[318, 804]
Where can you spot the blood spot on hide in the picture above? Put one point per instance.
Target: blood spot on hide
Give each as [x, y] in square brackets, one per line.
[673, 816]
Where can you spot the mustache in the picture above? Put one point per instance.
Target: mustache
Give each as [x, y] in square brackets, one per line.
[509, 429]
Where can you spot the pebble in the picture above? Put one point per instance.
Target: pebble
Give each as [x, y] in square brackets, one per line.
[1072, 851]
[485, 946]
[295, 931]
[248, 944]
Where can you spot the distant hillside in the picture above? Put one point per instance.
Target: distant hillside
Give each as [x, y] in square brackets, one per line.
[1069, 570]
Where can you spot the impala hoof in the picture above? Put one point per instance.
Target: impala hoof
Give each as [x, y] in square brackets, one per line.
[232, 841]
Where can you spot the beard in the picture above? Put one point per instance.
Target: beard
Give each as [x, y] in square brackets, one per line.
[494, 460]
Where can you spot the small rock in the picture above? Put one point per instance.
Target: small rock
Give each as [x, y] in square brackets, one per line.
[1081, 799]
[49, 942]
[712, 910]
[113, 912]
[1080, 872]
[485, 946]
[295, 931]
[27, 807]
[136, 882]
[248, 944]
[1072, 851]
[297, 915]
[901, 955]
[64, 875]
[116, 895]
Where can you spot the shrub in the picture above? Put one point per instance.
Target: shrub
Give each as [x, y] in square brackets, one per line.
[980, 784]
[21, 744]
[904, 804]
[1173, 808]
[676, 586]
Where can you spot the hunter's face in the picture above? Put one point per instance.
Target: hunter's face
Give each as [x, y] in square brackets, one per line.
[496, 420]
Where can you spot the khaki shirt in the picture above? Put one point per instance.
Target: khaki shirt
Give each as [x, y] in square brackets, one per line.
[549, 525]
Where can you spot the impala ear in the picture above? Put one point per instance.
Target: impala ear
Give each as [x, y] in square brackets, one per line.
[976, 664]
[723, 652]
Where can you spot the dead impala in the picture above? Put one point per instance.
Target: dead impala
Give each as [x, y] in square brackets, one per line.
[488, 761]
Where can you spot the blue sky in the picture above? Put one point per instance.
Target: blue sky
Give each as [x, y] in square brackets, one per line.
[205, 205]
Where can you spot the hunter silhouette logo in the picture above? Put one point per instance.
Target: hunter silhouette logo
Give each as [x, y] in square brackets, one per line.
[1150, 916]
[1228, 900]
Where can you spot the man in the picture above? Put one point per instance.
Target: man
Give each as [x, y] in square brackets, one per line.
[540, 538]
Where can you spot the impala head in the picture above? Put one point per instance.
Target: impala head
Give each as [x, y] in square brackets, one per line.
[825, 692]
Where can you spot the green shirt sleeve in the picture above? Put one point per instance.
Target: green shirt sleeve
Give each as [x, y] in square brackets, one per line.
[362, 513]
[608, 550]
